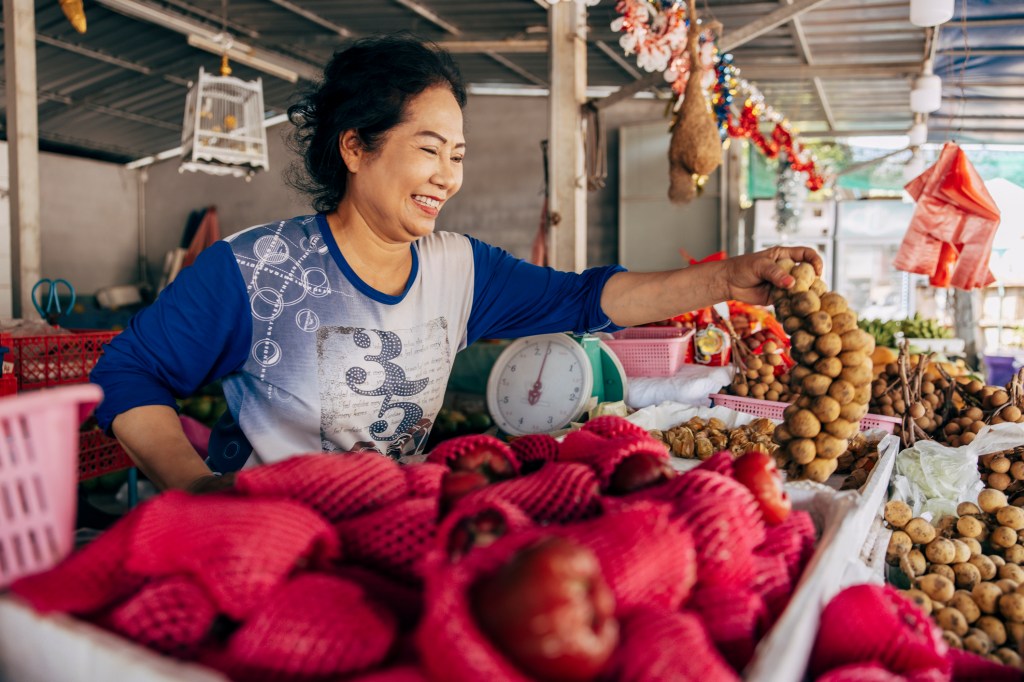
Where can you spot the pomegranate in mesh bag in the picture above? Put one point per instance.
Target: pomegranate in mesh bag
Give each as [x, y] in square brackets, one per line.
[560, 492]
[735, 619]
[874, 623]
[610, 426]
[550, 611]
[534, 451]
[473, 463]
[478, 523]
[664, 645]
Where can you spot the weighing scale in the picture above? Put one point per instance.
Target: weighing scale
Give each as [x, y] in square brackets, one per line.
[542, 383]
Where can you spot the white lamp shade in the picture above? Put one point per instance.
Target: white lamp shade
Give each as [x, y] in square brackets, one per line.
[931, 12]
[918, 135]
[926, 96]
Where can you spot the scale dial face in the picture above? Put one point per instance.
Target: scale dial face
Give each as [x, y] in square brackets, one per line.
[539, 384]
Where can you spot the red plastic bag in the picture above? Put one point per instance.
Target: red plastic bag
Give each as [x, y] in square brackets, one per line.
[950, 236]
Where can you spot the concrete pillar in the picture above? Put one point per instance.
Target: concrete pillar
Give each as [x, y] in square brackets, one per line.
[23, 150]
[567, 242]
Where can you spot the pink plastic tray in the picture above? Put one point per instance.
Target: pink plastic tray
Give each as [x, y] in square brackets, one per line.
[38, 475]
[773, 410]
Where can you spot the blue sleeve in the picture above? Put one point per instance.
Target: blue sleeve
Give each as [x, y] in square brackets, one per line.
[198, 330]
[513, 298]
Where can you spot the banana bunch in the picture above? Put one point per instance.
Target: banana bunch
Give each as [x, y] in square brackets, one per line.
[915, 327]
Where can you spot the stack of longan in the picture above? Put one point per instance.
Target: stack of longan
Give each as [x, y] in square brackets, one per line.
[982, 405]
[1004, 471]
[756, 377]
[832, 376]
[889, 399]
[966, 572]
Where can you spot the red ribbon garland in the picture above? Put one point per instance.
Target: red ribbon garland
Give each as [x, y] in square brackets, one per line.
[781, 142]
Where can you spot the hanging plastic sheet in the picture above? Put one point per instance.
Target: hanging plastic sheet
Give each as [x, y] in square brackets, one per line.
[951, 233]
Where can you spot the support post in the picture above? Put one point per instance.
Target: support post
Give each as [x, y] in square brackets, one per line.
[22, 150]
[568, 191]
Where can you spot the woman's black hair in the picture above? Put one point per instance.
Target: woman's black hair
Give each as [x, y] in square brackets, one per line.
[365, 88]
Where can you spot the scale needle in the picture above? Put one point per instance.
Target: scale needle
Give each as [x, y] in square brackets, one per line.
[534, 395]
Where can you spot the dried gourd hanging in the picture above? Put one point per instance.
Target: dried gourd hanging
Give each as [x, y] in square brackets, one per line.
[695, 149]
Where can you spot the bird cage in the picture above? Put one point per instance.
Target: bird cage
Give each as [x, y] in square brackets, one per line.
[223, 132]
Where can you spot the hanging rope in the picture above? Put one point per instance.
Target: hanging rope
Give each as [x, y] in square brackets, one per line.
[595, 147]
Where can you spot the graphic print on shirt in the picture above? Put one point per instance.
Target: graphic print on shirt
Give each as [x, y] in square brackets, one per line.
[403, 374]
[279, 280]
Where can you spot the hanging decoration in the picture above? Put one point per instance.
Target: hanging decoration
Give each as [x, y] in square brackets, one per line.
[656, 31]
[790, 193]
[75, 13]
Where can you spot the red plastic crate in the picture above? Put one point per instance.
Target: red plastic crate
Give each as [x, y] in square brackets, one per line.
[44, 361]
[98, 455]
[773, 409]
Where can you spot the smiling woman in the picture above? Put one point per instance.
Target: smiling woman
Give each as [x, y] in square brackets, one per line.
[336, 332]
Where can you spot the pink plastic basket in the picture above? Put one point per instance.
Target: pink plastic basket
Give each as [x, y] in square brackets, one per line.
[664, 332]
[38, 475]
[773, 410]
[652, 357]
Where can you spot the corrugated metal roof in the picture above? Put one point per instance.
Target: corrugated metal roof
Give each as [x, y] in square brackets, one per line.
[118, 91]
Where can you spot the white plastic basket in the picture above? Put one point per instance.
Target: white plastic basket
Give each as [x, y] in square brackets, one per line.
[38, 477]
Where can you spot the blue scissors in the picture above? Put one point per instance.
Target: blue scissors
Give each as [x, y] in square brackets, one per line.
[52, 311]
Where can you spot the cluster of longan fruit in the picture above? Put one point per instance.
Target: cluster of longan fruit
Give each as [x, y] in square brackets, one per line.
[832, 377]
[965, 571]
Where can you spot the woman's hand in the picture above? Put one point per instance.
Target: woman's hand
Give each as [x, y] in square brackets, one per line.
[750, 278]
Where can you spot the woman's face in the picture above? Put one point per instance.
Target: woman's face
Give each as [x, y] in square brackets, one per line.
[400, 190]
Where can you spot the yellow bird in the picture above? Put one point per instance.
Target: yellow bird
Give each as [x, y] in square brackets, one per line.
[75, 12]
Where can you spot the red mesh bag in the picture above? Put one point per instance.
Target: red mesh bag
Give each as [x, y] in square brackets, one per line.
[560, 492]
[735, 619]
[451, 646]
[90, 579]
[393, 539]
[719, 463]
[968, 667]
[404, 601]
[867, 623]
[424, 480]
[612, 452]
[662, 645]
[171, 615]
[337, 486]
[861, 672]
[445, 453]
[240, 550]
[401, 673]
[793, 539]
[724, 537]
[581, 446]
[646, 559]
[610, 426]
[534, 451]
[316, 627]
[460, 530]
[772, 582]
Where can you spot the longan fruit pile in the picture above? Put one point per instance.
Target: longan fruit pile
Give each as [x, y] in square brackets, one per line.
[832, 376]
[927, 395]
[857, 462]
[965, 571]
[1004, 471]
[981, 405]
[755, 375]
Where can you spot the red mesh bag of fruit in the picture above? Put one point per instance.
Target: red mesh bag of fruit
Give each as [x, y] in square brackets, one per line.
[476, 522]
[646, 559]
[970, 667]
[875, 623]
[316, 627]
[735, 619]
[337, 486]
[400, 598]
[619, 461]
[424, 480]
[772, 582]
[559, 492]
[393, 539]
[793, 540]
[171, 615]
[534, 451]
[662, 645]
[90, 579]
[527, 607]
[481, 449]
[239, 550]
[609, 426]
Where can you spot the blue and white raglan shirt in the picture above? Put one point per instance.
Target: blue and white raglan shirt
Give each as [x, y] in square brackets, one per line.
[315, 360]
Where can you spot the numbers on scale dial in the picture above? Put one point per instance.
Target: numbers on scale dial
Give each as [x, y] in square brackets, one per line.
[533, 383]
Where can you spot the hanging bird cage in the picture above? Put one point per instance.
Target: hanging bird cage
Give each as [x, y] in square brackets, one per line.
[223, 132]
